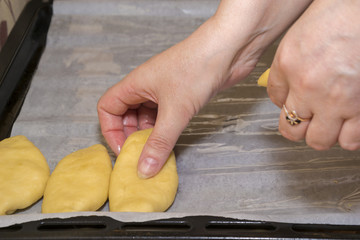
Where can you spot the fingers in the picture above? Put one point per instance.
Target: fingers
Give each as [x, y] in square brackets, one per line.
[114, 135]
[112, 127]
[116, 118]
[130, 122]
[297, 131]
[350, 134]
[278, 91]
[314, 74]
[147, 115]
[277, 86]
[169, 125]
[323, 130]
[141, 116]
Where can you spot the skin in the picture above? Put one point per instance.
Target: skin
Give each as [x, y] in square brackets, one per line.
[170, 88]
[316, 71]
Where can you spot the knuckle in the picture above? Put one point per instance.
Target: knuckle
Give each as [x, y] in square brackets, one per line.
[301, 80]
[284, 57]
[338, 93]
[317, 145]
[286, 134]
[307, 82]
[159, 144]
[283, 64]
[274, 99]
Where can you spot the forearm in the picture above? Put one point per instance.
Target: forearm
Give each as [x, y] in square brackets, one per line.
[234, 38]
[256, 20]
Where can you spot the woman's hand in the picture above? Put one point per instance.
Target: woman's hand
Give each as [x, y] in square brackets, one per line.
[316, 71]
[169, 89]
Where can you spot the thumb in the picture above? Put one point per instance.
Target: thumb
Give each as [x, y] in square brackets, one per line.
[168, 127]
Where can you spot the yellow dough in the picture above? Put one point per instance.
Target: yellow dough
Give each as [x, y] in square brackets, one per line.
[23, 174]
[263, 79]
[129, 193]
[80, 182]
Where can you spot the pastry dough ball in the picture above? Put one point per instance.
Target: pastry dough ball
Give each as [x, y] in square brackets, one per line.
[80, 182]
[23, 174]
[129, 193]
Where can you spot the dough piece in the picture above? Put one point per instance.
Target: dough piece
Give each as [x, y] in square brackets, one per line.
[80, 182]
[23, 174]
[263, 79]
[129, 193]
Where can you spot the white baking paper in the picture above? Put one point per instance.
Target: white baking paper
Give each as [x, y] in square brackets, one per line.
[231, 159]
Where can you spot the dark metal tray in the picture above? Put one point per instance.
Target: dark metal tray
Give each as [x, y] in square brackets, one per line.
[19, 59]
[194, 227]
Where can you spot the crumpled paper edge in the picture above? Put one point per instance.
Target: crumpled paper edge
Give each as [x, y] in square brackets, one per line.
[9, 220]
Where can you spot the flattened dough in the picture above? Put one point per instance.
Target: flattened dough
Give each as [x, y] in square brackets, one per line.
[129, 193]
[23, 174]
[80, 182]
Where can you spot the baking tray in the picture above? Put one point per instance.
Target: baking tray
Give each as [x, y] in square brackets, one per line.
[194, 227]
[19, 59]
[206, 134]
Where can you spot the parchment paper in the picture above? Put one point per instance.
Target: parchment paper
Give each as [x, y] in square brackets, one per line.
[231, 159]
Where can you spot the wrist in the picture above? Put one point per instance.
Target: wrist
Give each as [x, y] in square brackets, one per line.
[246, 28]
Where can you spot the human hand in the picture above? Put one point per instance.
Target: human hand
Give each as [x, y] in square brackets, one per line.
[165, 93]
[169, 89]
[316, 71]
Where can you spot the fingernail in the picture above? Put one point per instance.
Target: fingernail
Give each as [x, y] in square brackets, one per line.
[118, 149]
[147, 168]
[126, 120]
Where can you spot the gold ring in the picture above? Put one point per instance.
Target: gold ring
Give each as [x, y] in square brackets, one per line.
[293, 118]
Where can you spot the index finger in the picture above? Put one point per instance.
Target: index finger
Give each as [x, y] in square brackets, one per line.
[112, 108]
[112, 128]
[277, 89]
